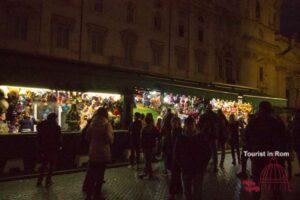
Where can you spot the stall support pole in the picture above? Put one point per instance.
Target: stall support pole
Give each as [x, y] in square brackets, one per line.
[127, 113]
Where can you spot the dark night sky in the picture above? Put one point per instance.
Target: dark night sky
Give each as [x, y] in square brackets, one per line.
[290, 17]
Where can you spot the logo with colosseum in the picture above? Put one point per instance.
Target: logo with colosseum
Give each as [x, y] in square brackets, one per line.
[272, 177]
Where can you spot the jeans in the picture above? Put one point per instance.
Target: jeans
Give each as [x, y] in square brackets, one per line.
[175, 183]
[222, 146]
[94, 178]
[192, 186]
[48, 162]
[214, 153]
[235, 147]
[148, 153]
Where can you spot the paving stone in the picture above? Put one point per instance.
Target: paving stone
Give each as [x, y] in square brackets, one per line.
[123, 184]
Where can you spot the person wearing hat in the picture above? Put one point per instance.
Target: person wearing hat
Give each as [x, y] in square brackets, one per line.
[49, 144]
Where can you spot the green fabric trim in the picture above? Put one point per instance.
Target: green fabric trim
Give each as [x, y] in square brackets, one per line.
[255, 101]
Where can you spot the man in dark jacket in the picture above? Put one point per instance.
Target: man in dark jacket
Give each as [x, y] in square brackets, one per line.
[149, 136]
[208, 125]
[265, 133]
[135, 139]
[192, 153]
[49, 142]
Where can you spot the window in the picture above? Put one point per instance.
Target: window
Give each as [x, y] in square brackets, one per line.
[261, 74]
[62, 36]
[129, 40]
[157, 21]
[181, 30]
[130, 12]
[157, 51]
[20, 27]
[181, 57]
[157, 4]
[97, 43]
[99, 5]
[181, 62]
[128, 51]
[200, 34]
[97, 35]
[156, 57]
[200, 60]
[257, 10]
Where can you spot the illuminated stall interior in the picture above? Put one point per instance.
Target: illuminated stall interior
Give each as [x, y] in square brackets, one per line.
[184, 105]
[37, 103]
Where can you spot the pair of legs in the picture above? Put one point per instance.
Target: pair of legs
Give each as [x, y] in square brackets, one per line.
[94, 179]
[235, 148]
[214, 154]
[148, 154]
[222, 147]
[135, 155]
[243, 173]
[192, 186]
[175, 183]
[48, 162]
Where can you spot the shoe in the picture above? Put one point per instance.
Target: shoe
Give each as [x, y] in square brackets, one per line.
[39, 183]
[99, 197]
[49, 183]
[130, 166]
[142, 176]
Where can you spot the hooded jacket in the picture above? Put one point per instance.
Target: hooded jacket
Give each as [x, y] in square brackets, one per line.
[100, 136]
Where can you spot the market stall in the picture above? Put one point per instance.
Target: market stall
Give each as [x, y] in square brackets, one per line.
[32, 105]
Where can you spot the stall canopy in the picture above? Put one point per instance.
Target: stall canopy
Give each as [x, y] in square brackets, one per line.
[255, 101]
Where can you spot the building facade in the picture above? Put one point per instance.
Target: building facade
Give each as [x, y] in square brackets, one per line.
[227, 41]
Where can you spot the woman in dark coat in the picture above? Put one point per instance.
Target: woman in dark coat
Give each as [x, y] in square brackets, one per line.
[176, 131]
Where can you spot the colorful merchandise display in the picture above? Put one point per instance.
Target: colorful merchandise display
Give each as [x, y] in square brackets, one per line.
[241, 110]
[185, 105]
[37, 103]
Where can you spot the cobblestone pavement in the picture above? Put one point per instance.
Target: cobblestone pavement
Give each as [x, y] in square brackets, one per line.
[122, 184]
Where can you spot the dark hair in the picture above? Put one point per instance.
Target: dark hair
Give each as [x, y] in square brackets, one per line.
[52, 117]
[142, 116]
[137, 115]
[102, 112]
[149, 118]
[189, 120]
[265, 107]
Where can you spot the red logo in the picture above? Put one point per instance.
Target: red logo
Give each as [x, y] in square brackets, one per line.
[272, 178]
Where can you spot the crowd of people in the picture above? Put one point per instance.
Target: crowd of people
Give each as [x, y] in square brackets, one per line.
[186, 151]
